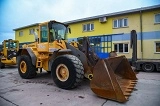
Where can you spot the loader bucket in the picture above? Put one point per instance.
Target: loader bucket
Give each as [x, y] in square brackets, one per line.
[113, 78]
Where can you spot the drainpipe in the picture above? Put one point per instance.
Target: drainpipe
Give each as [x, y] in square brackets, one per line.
[141, 35]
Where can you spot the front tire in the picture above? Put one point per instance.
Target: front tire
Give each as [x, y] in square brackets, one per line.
[67, 71]
[25, 67]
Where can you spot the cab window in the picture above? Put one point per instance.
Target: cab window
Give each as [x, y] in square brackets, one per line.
[13, 45]
[6, 44]
[44, 34]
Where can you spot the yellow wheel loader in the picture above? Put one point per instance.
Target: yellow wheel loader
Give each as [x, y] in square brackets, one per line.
[110, 78]
[8, 52]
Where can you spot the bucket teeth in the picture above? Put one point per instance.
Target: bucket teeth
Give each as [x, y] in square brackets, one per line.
[127, 94]
[130, 87]
[128, 90]
[134, 80]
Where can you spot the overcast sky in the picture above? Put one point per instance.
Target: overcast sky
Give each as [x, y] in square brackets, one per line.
[18, 13]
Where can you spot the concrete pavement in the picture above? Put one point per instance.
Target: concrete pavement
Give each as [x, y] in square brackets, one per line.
[41, 91]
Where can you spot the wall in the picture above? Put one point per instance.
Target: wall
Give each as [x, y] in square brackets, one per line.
[99, 28]
[133, 23]
[148, 21]
[150, 34]
[26, 36]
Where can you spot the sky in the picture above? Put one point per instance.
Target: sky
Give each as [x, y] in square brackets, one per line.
[18, 13]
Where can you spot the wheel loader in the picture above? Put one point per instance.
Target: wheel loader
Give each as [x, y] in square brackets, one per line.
[110, 78]
[8, 52]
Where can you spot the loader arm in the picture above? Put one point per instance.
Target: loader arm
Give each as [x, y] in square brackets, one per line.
[112, 78]
[87, 50]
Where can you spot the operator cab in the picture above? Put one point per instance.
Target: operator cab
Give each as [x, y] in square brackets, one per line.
[52, 31]
[10, 44]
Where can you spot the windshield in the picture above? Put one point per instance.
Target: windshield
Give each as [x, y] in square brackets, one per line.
[58, 31]
[11, 44]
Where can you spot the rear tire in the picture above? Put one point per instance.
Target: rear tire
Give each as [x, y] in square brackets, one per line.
[148, 67]
[67, 71]
[25, 67]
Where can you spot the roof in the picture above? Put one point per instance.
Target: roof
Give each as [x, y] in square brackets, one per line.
[115, 13]
[26, 26]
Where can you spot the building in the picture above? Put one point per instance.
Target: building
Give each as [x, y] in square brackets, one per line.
[111, 32]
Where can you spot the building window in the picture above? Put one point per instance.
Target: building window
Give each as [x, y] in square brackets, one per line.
[95, 43]
[115, 25]
[157, 18]
[157, 47]
[121, 47]
[119, 23]
[31, 31]
[88, 27]
[20, 33]
[125, 22]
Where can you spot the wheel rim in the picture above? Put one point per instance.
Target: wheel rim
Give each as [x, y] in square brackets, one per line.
[23, 67]
[62, 72]
[148, 67]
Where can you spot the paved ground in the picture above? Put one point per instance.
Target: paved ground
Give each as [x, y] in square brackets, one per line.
[41, 91]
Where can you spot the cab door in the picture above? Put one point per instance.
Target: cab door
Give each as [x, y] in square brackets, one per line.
[42, 46]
